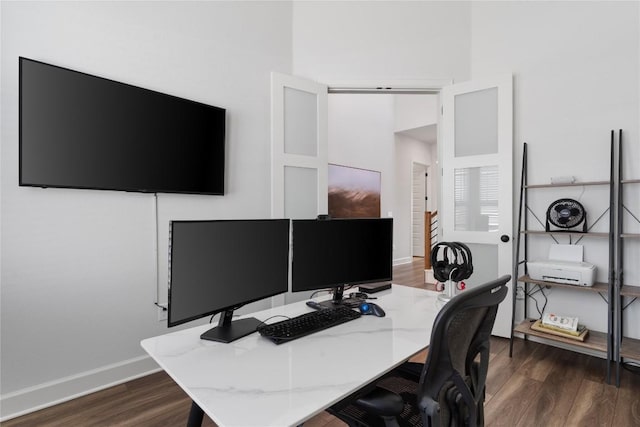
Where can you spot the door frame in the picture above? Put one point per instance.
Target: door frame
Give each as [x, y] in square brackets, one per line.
[401, 87]
[425, 168]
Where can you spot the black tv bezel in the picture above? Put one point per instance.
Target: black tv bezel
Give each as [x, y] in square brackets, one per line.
[21, 59]
[337, 285]
[171, 324]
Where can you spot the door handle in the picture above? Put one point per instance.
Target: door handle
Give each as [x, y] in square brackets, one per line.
[504, 238]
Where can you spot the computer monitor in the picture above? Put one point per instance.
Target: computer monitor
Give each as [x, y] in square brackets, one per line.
[334, 253]
[220, 265]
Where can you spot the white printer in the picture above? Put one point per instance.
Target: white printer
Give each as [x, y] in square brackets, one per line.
[565, 265]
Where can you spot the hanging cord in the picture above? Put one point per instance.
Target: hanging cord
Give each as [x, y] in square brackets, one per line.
[157, 252]
[546, 300]
[634, 368]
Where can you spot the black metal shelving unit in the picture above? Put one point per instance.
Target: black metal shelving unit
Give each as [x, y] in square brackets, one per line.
[598, 341]
[624, 347]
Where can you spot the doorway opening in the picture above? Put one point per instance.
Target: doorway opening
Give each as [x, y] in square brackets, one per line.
[389, 133]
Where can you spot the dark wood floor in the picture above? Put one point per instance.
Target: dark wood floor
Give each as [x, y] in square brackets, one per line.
[539, 386]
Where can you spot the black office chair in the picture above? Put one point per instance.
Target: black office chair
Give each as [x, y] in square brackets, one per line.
[449, 388]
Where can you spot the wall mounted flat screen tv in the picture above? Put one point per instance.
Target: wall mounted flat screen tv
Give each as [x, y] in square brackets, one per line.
[84, 131]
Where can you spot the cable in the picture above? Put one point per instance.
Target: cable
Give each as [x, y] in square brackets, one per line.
[346, 288]
[317, 292]
[546, 300]
[264, 322]
[360, 295]
[634, 368]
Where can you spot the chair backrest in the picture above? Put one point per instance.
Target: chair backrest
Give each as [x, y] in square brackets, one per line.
[452, 384]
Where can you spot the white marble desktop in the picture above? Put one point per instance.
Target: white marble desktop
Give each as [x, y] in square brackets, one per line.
[254, 382]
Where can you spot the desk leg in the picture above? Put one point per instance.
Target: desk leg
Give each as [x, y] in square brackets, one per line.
[195, 416]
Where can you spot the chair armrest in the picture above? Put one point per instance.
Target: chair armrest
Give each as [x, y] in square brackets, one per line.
[381, 402]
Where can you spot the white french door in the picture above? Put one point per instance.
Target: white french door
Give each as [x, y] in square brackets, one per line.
[298, 147]
[477, 179]
[476, 158]
[298, 152]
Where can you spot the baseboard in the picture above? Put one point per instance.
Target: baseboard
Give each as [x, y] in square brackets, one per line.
[428, 276]
[44, 395]
[400, 261]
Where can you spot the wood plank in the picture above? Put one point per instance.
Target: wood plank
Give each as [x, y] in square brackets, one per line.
[427, 240]
[570, 184]
[630, 291]
[627, 410]
[594, 404]
[502, 367]
[539, 363]
[509, 404]
[594, 341]
[630, 348]
[566, 233]
[597, 287]
[558, 391]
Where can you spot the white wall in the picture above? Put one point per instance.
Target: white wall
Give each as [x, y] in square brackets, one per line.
[361, 135]
[377, 40]
[414, 111]
[78, 266]
[576, 68]
[417, 117]
[407, 151]
[360, 41]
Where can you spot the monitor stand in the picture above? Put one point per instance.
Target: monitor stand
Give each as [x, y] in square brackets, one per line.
[338, 300]
[228, 330]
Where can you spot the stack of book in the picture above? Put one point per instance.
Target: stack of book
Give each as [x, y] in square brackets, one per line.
[562, 326]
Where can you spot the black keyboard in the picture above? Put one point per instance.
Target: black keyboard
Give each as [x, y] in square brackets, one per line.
[307, 323]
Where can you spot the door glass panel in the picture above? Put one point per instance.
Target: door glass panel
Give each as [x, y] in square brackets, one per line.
[300, 192]
[476, 123]
[476, 199]
[301, 133]
[485, 263]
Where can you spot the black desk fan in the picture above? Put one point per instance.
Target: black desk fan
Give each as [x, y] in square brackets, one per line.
[566, 215]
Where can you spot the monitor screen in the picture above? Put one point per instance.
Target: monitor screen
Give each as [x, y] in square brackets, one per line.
[337, 252]
[218, 266]
[82, 131]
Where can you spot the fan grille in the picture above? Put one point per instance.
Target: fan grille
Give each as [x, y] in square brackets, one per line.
[566, 213]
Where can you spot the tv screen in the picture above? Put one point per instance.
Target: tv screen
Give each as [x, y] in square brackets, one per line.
[338, 252]
[217, 266]
[83, 131]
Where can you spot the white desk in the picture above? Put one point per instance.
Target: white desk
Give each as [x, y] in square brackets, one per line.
[254, 382]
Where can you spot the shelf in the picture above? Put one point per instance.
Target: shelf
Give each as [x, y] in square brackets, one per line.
[573, 184]
[630, 181]
[599, 341]
[630, 348]
[594, 341]
[565, 233]
[630, 291]
[597, 287]
[630, 235]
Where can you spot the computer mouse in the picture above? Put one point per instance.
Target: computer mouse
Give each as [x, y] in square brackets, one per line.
[371, 308]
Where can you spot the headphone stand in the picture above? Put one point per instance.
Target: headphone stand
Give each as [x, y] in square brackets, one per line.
[449, 291]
